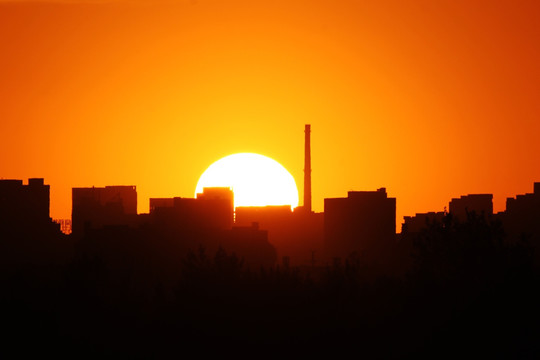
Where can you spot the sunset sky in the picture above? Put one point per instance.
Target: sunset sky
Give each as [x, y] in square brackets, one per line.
[430, 99]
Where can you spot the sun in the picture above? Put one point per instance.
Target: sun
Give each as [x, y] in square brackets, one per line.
[256, 180]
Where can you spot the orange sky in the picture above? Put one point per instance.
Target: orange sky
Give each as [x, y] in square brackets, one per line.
[430, 99]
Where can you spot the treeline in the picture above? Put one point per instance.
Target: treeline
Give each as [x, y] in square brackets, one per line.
[468, 292]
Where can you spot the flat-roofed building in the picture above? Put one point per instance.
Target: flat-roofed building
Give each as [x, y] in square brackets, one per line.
[24, 205]
[213, 208]
[481, 204]
[364, 220]
[96, 207]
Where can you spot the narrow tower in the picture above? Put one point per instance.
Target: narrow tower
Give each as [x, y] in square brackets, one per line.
[307, 169]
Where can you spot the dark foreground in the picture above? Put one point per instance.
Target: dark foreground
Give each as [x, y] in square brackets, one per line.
[468, 294]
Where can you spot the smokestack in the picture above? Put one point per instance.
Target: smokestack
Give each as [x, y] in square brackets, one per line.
[307, 169]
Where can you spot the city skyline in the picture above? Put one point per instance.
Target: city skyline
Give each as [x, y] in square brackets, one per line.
[481, 204]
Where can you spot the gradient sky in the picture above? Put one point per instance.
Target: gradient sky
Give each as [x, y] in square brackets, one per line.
[430, 99]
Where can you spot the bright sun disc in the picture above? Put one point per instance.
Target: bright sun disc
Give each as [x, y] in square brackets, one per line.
[256, 180]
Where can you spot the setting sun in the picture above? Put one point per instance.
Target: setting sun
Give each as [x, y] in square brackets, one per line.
[255, 179]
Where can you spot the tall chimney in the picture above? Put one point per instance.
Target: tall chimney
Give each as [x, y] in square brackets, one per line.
[307, 169]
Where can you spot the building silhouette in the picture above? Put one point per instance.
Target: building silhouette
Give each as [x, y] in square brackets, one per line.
[265, 215]
[250, 244]
[459, 208]
[23, 206]
[212, 209]
[525, 207]
[28, 235]
[414, 224]
[521, 219]
[363, 221]
[481, 204]
[187, 224]
[296, 235]
[95, 207]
